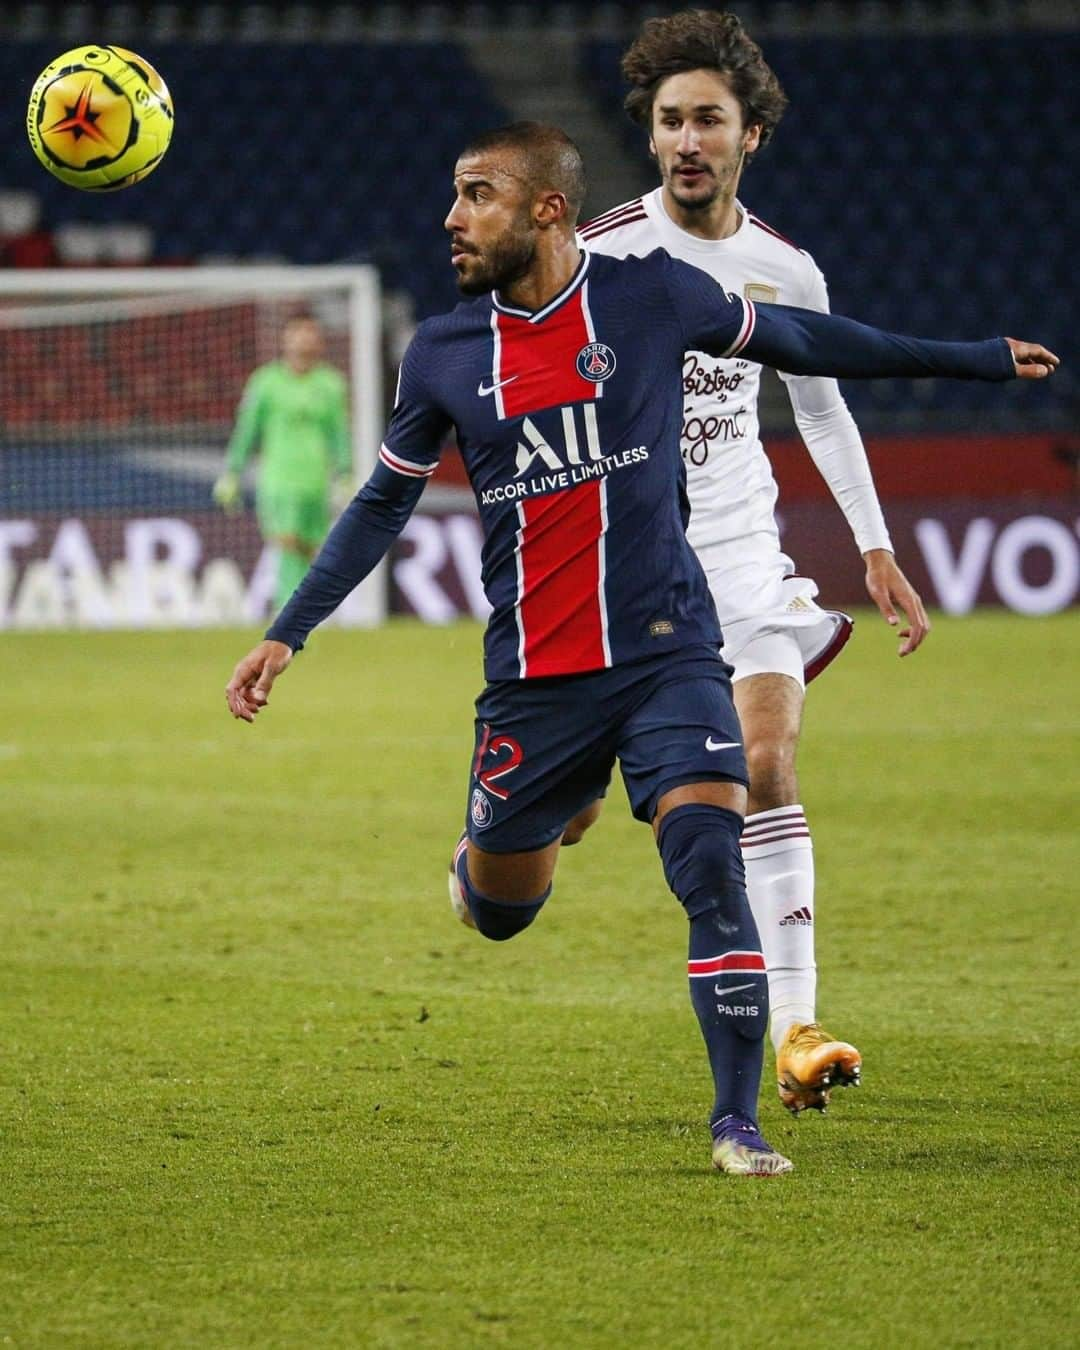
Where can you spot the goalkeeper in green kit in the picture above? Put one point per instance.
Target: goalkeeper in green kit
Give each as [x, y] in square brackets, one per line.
[294, 412]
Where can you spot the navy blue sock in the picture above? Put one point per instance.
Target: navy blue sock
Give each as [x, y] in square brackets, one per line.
[699, 847]
[497, 919]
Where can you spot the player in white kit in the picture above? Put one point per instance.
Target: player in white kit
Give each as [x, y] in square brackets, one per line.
[701, 89]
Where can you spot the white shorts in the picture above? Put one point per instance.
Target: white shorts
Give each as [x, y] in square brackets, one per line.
[798, 639]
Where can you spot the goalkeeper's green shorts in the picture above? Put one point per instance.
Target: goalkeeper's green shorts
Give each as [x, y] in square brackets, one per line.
[301, 512]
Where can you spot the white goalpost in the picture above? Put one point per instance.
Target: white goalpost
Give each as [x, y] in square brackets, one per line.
[118, 390]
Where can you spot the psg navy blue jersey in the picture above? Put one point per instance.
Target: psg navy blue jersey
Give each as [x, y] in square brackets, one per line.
[568, 420]
[568, 423]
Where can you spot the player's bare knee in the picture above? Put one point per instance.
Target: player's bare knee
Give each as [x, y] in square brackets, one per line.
[770, 710]
[773, 781]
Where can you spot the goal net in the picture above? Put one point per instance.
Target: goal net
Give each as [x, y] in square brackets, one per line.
[118, 392]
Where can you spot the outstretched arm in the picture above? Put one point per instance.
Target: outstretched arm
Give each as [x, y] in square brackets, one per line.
[803, 342]
[824, 344]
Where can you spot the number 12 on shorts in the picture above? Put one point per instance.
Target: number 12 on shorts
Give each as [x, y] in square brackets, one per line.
[496, 757]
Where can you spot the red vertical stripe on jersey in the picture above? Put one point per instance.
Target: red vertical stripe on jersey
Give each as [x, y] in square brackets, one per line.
[540, 360]
[561, 603]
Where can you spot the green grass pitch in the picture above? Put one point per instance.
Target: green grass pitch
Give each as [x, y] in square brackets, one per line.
[258, 1088]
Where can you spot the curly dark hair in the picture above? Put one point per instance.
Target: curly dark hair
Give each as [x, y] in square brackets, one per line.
[702, 39]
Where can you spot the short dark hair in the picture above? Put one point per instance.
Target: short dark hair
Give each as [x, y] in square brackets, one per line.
[702, 39]
[552, 160]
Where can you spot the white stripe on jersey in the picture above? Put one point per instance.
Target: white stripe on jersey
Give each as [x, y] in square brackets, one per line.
[601, 546]
[407, 467]
[592, 432]
[519, 562]
[496, 365]
[747, 330]
[590, 329]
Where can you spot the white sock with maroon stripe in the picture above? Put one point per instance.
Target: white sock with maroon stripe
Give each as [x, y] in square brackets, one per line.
[779, 857]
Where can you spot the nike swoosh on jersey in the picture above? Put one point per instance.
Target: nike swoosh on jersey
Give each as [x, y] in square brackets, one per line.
[483, 393]
[710, 744]
[735, 989]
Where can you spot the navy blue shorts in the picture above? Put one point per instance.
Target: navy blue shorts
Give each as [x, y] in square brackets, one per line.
[545, 748]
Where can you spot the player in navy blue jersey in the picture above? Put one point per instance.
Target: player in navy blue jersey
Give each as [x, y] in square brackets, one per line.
[562, 381]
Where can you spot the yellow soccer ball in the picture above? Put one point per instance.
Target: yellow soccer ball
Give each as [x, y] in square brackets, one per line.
[100, 118]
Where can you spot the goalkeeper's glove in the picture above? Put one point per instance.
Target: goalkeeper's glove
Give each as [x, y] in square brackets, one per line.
[342, 491]
[226, 492]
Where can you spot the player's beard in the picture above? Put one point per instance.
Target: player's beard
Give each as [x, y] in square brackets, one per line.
[725, 180]
[504, 262]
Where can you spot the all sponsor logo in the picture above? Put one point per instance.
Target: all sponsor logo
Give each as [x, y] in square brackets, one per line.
[577, 457]
[798, 916]
[596, 362]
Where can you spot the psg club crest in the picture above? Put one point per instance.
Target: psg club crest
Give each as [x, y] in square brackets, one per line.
[480, 809]
[596, 362]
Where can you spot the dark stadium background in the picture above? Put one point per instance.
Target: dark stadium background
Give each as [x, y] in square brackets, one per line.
[927, 161]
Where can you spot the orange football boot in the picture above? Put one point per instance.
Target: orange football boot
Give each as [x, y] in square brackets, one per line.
[809, 1064]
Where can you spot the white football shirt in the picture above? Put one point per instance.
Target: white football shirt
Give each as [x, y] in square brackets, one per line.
[729, 478]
